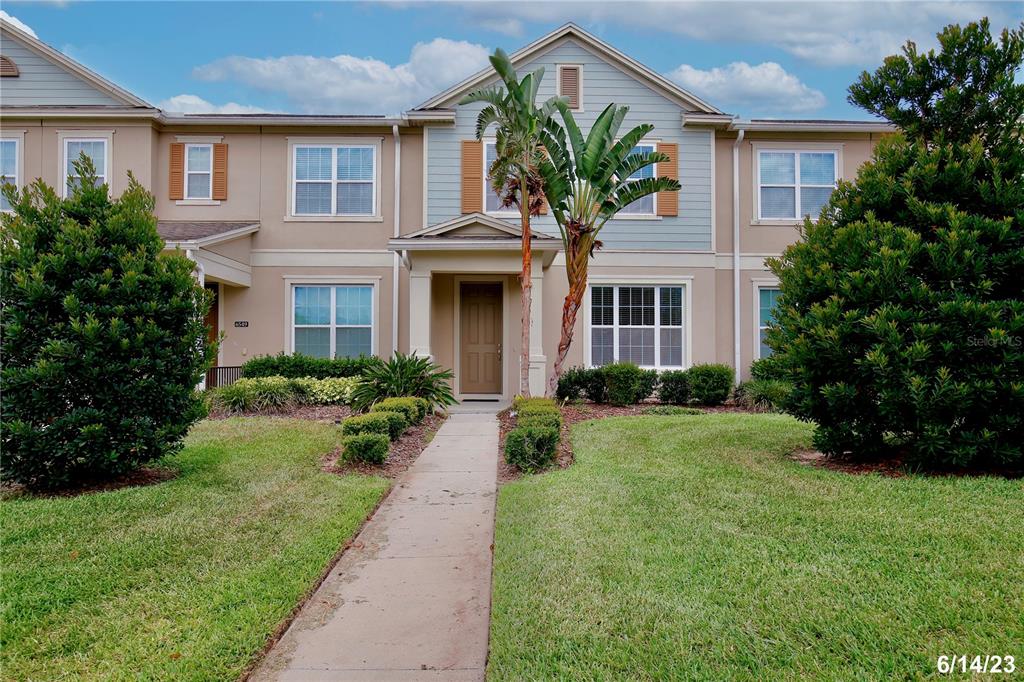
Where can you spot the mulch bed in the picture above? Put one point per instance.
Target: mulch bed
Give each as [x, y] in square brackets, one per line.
[893, 467]
[146, 475]
[401, 456]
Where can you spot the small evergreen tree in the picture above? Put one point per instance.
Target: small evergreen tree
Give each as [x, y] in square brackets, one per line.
[103, 336]
[901, 321]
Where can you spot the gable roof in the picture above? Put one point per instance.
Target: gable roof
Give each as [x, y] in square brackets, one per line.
[651, 78]
[493, 228]
[64, 62]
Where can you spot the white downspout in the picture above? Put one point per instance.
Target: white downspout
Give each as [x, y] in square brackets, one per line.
[736, 336]
[396, 263]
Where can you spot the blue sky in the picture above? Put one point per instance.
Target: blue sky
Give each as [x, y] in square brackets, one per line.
[755, 59]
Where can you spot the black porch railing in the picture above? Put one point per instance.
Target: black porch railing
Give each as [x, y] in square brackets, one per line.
[222, 376]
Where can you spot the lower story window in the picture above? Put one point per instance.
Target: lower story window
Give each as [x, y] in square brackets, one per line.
[333, 321]
[767, 300]
[636, 323]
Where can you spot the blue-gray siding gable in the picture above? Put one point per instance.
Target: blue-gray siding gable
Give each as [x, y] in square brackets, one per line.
[41, 82]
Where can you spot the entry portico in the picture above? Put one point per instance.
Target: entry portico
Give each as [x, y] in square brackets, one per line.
[464, 302]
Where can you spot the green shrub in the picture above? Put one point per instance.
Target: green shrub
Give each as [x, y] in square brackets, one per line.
[763, 395]
[329, 391]
[371, 448]
[648, 383]
[594, 386]
[674, 387]
[102, 335]
[767, 368]
[545, 419]
[297, 366]
[397, 423]
[373, 422]
[625, 383]
[668, 410]
[531, 448]
[401, 376]
[411, 407]
[520, 403]
[262, 395]
[571, 384]
[710, 384]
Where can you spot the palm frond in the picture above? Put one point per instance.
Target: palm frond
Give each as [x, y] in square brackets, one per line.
[629, 192]
[619, 151]
[488, 115]
[491, 95]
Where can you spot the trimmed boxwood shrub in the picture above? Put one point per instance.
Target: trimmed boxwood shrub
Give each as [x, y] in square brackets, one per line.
[530, 448]
[710, 384]
[298, 365]
[571, 384]
[674, 387]
[594, 386]
[397, 423]
[648, 383]
[414, 411]
[624, 382]
[371, 448]
[374, 422]
[549, 419]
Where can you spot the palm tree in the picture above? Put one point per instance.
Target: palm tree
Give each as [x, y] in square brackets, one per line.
[587, 183]
[514, 175]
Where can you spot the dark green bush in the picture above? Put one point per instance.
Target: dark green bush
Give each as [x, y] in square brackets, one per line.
[531, 448]
[710, 384]
[297, 365]
[397, 423]
[102, 334]
[764, 395]
[594, 386]
[767, 368]
[373, 422]
[625, 383]
[371, 448]
[572, 384]
[401, 376]
[648, 383]
[410, 407]
[674, 387]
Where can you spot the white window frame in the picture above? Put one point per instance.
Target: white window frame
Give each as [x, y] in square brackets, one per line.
[19, 158]
[558, 83]
[685, 282]
[291, 282]
[376, 144]
[788, 148]
[209, 189]
[67, 137]
[759, 284]
[486, 188]
[653, 215]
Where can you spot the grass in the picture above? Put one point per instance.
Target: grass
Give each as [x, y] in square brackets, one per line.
[691, 547]
[181, 580]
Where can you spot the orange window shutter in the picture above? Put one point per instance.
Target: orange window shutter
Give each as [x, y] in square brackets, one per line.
[668, 202]
[220, 172]
[176, 182]
[569, 84]
[472, 176]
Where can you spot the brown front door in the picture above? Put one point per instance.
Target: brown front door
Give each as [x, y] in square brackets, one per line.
[480, 337]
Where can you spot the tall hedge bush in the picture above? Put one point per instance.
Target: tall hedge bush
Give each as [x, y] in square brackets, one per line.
[297, 366]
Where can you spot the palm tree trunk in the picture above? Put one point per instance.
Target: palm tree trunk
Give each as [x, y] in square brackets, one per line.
[526, 286]
[570, 309]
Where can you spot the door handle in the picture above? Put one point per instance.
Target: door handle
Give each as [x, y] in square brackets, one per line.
[499, 351]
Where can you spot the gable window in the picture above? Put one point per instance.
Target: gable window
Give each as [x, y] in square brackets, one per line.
[332, 321]
[637, 323]
[570, 77]
[198, 171]
[794, 184]
[94, 148]
[644, 206]
[334, 180]
[8, 168]
[768, 298]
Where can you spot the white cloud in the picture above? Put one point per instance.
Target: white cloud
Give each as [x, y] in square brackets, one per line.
[765, 87]
[193, 104]
[353, 85]
[17, 23]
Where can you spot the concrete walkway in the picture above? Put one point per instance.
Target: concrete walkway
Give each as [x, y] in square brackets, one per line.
[410, 599]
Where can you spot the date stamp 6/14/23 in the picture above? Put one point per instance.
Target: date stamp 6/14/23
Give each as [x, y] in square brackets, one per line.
[962, 663]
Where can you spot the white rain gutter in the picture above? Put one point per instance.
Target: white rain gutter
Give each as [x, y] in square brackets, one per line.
[736, 253]
[397, 215]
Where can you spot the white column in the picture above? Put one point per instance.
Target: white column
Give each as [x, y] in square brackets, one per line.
[419, 313]
[538, 361]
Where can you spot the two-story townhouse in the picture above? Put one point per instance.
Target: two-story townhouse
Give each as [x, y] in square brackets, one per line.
[343, 235]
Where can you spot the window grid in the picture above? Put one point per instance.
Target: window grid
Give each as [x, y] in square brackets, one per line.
[8, 168]
[334, 181]
[196, 170]
[647, 205]
[797, 183]
[768, 298]
[492, 202]
[72, 147]
[336, 294]
[650, 314]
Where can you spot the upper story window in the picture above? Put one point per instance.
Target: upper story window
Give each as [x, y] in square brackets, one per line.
[768, 298]
[646, 205]
[95, 148]
[794, 184]
[492, 202]
[198, 171]
[639, 324]
[8, 168]
[334, 180]
[570, 79]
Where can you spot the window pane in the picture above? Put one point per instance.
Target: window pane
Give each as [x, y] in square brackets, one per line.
[355, 163]
[198, 185]
[602, 310]
[766, 351]
[636, 306]
[602, 347]
[817, 168]
[315, 341]
[642, 206]
[769, 298]
[778, 202]
[672, 347]
[353, 305]
[778, 168]
[312, 163]
[636, 345]
[313, 198]
[492, 202]
[646, 171]
[812, 199]
[8, 158]
[199, 158]
[352, 342]
[355, 198]
[671, 306]
[312, 305]
[94, 149]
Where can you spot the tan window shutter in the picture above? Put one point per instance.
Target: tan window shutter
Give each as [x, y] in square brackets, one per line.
[569, 85]
[220, 172]
[668, 202]
[176, 184]
[472, 176]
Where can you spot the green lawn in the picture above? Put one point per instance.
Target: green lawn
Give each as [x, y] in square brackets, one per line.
[691, 548]
[181, 580]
